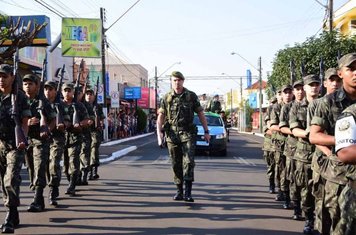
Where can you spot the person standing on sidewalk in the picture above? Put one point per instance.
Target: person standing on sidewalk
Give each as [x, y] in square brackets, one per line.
[175, 118]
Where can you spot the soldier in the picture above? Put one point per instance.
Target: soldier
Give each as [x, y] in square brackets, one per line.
[175, 117]
[267, 150]
[278, 141]
[57, 142]
[95, 132]
[332, 82]
[304, 151]
[11, 156]
[204, 101]
[322, 133]
[38, 133]
[214, 105]
[345, 148]
[78, 118]
[290, 146]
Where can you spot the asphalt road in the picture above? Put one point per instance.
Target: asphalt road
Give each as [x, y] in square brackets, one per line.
[134, 196]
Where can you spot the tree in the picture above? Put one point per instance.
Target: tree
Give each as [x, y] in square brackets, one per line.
[19, 34]
[327, 46]
[141, 120]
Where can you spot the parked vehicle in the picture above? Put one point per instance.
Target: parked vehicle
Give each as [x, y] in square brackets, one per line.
[217, 132]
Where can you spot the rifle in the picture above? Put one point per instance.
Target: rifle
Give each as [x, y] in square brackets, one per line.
[302, 69]
[44, 131]
[59, 116]
[96, 108]
[292, 72]
[20, 136]
[76, 119]
[321, 76]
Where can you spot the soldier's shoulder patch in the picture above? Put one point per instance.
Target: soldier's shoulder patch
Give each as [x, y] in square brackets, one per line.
[344, 124]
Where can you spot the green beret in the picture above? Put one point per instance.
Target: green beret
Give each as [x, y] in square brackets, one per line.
[177, 74]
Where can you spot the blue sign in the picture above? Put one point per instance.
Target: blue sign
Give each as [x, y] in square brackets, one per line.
[131, 93]
[249, 78]
[252, 100]
[107, 80]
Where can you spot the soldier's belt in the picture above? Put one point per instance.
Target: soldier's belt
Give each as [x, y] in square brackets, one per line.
[178, 128]
[352, 184]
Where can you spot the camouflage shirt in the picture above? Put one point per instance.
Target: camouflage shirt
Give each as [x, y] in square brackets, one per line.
[179, 108]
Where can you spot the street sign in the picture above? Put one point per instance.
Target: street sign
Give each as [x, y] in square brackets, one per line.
[131, 93]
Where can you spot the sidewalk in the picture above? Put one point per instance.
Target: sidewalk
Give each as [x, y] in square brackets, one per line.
[253, 132]
[113, 150]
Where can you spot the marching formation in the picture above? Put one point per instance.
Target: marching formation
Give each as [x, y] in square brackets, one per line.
[39, 128]
[308, 149]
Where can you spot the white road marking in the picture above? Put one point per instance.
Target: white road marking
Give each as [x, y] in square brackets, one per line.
[163, 159]
[241, 160]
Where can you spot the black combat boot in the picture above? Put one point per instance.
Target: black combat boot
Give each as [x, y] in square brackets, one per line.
[11, 220]
[95, 173]
[79, 179]
[85, 177]
[188, 191]
[90, 176]
[271, 186]
[309, 224]
[286, 204]
[279, 196]
[38, 201]
[179, 194]
[53, 194]
[297, 210]
[71, 187]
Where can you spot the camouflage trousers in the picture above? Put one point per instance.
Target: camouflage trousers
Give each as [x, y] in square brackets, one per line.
[94, 151]
[182, 157]
[55, 157]
[347, 202]
[303, 185]
[36, 161]
[271, 165]
[11, 161]
[281, 172]
[71, 156]
[293, 191]
[85, 151]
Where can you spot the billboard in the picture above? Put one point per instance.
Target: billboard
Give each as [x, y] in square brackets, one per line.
[144, 102]
[81, 37]
[132, 93]
[43, 38]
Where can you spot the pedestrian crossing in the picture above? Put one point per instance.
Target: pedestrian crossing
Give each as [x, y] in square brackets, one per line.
[165, 160]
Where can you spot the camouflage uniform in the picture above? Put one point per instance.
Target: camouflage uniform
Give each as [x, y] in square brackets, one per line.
[303, 157]
[96, 138]
[181, 132]
[345, 129]
[288, 152]
[268, 152]
[332, 170]
[278, 142]
[317, 181]
[11, 159]
[74, 139]
[86, 147]
[214, 106]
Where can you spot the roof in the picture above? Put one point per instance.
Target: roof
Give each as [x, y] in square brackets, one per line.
[256, 85]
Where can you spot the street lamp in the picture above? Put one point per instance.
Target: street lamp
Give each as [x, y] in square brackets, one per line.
[259, 69]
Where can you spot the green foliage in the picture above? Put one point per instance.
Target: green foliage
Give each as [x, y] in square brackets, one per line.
[141, 120]
[248, 112]
[327, 46]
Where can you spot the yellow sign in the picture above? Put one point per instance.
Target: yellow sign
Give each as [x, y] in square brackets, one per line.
[81, 37]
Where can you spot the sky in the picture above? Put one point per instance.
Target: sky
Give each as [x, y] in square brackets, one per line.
[200, 34]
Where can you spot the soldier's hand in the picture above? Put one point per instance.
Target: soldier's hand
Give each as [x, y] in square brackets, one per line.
[60, 127]
[90, 122]
[21, 146]
[33, 121]
[160, 139]
[207, 137]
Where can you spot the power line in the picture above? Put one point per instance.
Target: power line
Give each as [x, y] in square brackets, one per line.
[122, 15]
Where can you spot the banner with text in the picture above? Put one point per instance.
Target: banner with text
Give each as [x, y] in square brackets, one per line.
[81, 37]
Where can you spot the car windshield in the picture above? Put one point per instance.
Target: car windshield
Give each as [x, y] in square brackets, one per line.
[211, 120]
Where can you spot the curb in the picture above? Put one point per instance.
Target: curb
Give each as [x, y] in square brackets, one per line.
[110, 143]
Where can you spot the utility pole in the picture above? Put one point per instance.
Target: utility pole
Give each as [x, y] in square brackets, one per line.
[260, 99]
[331, 12]
[103, 70]
[156, 84]
[231, 100]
